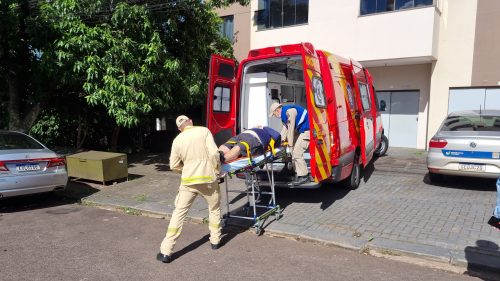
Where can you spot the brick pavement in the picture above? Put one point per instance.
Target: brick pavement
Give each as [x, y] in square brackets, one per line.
[395, 210]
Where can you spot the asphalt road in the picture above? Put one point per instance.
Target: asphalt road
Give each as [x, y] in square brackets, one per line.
[48, 238]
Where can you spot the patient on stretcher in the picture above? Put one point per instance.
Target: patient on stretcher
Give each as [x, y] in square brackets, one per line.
[249, 143]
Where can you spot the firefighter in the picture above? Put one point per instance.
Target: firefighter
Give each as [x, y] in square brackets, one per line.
[254, 141]
[295, 119]
[194, 154]
[495, 219]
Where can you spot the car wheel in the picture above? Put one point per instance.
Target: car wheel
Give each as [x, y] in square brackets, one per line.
[382, 147]
[353, 181]
[435, 177]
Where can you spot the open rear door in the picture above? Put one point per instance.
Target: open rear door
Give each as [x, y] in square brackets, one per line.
[366, 129]
[221, 99]
[319, 147]
[377, 118]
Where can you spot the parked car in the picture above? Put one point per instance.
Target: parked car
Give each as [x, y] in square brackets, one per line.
[27, 166]
[467, 144]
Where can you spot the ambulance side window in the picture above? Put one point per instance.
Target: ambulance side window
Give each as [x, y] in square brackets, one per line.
[365, 97]
[222, 98]
[319, 92]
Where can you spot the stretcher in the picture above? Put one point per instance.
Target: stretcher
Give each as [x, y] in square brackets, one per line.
[255, 209]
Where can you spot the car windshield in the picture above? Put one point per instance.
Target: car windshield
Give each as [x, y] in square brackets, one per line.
[471, 123]
[11, 140]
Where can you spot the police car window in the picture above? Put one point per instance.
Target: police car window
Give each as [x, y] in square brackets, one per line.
[319, 92]
[365, 98]
[222, 98]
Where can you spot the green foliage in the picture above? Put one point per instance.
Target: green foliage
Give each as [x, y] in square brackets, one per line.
[134, 59]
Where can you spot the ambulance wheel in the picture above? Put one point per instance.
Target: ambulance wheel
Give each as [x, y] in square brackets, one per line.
[382, 147]
[353, 181]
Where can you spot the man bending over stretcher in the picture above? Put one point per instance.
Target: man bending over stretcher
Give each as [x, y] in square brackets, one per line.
[254, 141]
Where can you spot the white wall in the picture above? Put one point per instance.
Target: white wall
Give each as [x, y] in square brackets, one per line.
[335, 26]
[456, 50]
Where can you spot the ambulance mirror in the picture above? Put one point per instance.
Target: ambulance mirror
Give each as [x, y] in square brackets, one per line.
[383, 105]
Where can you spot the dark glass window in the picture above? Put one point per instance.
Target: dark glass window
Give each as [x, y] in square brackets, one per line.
[222, 99]
[226, 70]
[12, 140]
[380, 6]
[280, 13]
[226, 28]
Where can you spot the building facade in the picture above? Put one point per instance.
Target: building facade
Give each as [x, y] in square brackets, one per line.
[427, 57]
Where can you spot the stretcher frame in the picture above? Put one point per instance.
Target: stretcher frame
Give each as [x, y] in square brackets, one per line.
[253, 192]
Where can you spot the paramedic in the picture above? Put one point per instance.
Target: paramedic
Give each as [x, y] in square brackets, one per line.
[254, 141]
[194, 154]
[295, 119]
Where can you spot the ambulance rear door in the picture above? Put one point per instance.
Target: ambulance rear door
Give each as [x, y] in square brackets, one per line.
[319, 147]
[364, 114]
[221, 99]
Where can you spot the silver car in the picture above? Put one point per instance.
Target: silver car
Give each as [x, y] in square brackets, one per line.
[467, 144]
[27, 166]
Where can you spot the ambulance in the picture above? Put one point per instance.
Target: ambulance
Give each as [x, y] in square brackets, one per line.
[346, 129]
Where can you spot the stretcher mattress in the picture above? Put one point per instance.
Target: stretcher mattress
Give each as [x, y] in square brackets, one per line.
[242, 163]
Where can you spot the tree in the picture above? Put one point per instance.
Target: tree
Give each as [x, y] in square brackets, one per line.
[134, 59]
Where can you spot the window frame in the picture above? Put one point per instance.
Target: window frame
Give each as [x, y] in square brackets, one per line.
[364, 86]
[394, 9]
[267, 21]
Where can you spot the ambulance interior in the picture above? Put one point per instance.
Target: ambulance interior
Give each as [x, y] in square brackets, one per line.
[267, 81]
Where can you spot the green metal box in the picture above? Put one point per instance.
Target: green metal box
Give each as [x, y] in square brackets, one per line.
[98, 166]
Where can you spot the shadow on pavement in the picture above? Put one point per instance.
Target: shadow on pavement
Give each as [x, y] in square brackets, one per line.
[73, 193]
[327, 194]
[480, 261]
[457, 182]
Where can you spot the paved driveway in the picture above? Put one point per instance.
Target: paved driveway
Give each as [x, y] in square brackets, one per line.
[395, 210]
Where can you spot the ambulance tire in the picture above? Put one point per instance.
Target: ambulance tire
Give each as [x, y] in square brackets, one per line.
[382, 147]
[353, 181]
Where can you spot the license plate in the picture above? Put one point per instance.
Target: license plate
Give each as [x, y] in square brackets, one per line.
[471, 167]
[27, 167]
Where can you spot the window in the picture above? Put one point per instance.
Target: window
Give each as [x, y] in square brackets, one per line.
[226, 28]
[280, 13]
[380, 6]
[319, 92]
[13, 140]
[222, 98]
[365, 96]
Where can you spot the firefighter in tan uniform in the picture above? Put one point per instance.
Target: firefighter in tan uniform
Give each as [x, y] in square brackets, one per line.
[295, 119]
[194, 154]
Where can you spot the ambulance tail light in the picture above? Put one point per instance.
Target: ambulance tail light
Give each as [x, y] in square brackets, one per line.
[437, 143]
[334, 143]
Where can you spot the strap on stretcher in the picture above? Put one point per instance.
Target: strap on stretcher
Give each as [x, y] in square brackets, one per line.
[249, 154]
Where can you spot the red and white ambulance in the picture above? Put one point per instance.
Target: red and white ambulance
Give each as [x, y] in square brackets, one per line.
[345, 124]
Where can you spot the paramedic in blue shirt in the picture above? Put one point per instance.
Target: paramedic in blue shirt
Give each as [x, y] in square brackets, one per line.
[258, 139]
[295, 119]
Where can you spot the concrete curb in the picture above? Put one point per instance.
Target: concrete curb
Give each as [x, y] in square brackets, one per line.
[419, 254]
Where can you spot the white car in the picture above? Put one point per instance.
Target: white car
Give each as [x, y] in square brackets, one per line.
[467, 144]
[27, 166]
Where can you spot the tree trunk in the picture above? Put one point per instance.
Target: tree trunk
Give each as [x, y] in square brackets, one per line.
[13, 106]
[81, 131]
[114, 138]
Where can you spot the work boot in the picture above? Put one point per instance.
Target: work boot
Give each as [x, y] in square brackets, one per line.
[215, 246]
[164, 258]
[301, 180]
[495, 222]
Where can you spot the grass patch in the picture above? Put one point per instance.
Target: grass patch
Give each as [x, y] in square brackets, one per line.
[140, 197]
[130, 211]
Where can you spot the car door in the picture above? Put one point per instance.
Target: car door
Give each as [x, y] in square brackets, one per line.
[364, 114]
[319, 146]
[221, 99]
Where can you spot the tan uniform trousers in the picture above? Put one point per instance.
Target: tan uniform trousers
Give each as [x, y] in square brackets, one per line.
[300, 147]
[183, 201]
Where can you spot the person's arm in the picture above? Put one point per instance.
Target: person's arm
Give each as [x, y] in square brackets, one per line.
[292, 114]
[283, 133]
[213, 152]
[175, 159]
